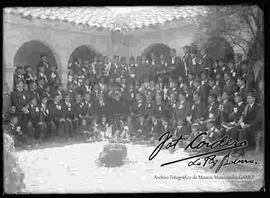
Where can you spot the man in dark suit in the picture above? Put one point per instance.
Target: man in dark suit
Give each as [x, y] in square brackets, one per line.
[18, 76]
[251, 120]
[212, 111]
[207, 61]
[28, 76]
[176, 65]
[182, 108]
[225, 108]
[230, 85]
[242, 88]
[56, 114]
[198, 109]
[44, 62]
[187, 59]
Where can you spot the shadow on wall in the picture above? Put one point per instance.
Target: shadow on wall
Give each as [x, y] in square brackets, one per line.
[29, 53]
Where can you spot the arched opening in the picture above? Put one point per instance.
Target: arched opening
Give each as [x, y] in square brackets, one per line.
[158, 48]
[83, 52]
[29, 54]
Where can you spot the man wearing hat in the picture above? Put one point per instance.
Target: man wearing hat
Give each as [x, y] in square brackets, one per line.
[18, 76]
[28, 76]
[251, 120]
[44, 62]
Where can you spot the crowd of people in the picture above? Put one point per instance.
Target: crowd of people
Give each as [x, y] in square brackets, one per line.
[136, 100]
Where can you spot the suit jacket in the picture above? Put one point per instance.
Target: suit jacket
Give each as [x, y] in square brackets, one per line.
[55, 111]
[16, 79]
[212, 111]
[204, 92]
[253, 116]
[182, 110]
[207, 63]
[198, 111]
[225, 110]
[187, 61]
[237, 112]
[28, 77]
[19, 100]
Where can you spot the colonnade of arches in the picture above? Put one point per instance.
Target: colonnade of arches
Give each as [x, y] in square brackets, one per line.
[29, 53]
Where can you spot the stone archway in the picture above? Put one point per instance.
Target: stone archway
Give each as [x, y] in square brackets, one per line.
[83, 52]
[29, 53]
[158, 48]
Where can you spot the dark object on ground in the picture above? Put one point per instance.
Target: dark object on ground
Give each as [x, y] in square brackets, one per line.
[113, 155]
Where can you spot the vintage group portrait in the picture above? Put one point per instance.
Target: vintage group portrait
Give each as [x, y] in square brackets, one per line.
[133, 99]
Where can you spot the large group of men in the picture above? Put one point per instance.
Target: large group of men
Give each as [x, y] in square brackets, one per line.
[135, 100]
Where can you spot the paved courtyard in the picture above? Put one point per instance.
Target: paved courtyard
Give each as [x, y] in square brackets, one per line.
[72, 169]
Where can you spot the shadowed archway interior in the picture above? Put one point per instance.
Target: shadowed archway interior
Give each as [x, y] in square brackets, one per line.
[29, 53]
[158, 48]
[83, 52]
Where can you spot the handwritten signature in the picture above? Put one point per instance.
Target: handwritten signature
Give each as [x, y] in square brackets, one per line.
[206, 158]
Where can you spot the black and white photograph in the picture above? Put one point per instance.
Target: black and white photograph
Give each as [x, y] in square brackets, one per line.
[133, 99]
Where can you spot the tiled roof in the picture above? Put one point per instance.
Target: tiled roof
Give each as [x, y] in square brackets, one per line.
[113, 18]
